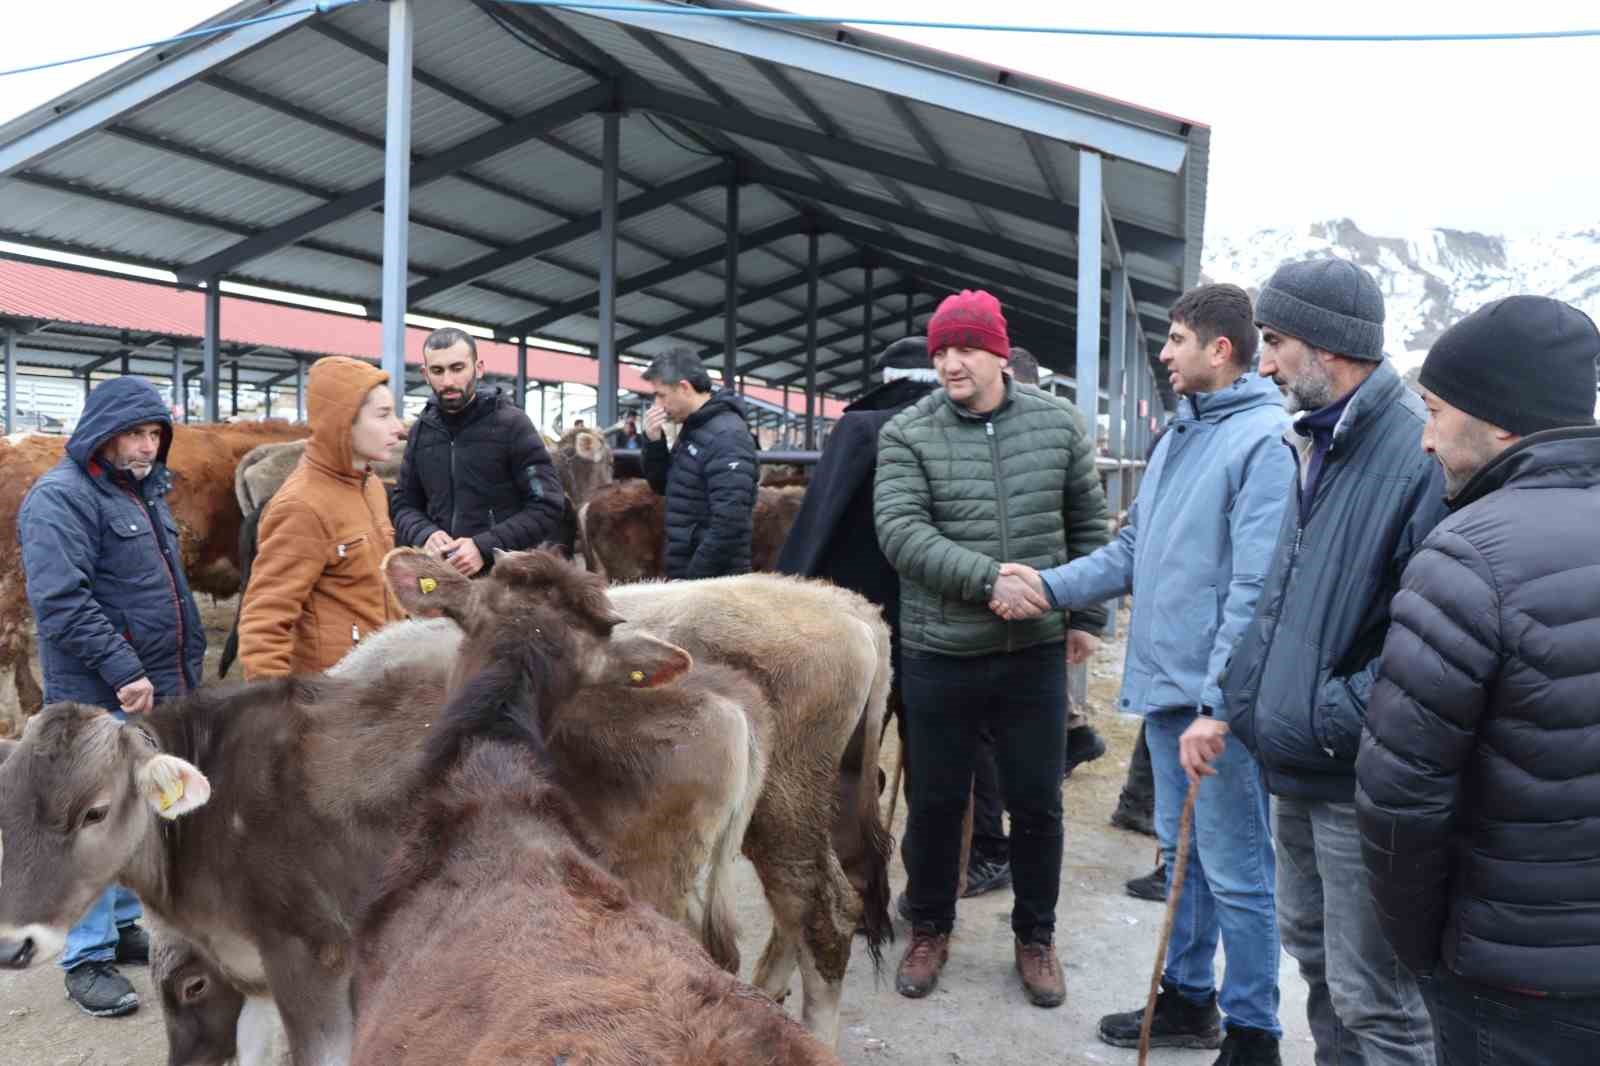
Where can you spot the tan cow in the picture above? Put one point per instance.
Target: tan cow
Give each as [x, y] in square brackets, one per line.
[622, 529]
[496, 937]
[202, 462]
[264, 468]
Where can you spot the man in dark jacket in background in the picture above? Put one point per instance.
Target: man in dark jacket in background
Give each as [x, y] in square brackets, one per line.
[1295, 690]
[709, 476]
[117, 626]
[1479, 773]
[475, 475]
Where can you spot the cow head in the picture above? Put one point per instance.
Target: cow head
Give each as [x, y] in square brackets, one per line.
[584, 462]
[80, 797]
[200, 1008]
[533, 595]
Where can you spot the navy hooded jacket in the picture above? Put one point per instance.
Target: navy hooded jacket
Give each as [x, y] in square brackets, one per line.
[101, 556]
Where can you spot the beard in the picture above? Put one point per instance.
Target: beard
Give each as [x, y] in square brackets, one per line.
[458, 403]
[1311, 391]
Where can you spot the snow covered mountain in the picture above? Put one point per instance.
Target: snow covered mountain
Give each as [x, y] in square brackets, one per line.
[1430, 278]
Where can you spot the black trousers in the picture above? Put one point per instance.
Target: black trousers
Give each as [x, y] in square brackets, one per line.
[1475, 1025]
[1019, 699]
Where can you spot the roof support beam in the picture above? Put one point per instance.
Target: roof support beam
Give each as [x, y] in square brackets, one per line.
[395, 189]
[1001, 197]
[568, 232]
[811, 340]
[473, 150]
[1090, 199]
[730, 294]
[780, 328]
[840, 337]
[606, 351]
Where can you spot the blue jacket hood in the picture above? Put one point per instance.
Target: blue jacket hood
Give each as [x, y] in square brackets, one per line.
[1248, 391]
[114, 406]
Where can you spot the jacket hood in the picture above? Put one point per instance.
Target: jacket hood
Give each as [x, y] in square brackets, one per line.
[1250, 390]
[892, 394]
[336, 387]
[1554, 458]
[114, 406]
[721, 400]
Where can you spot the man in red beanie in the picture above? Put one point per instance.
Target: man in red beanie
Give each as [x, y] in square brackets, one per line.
[981, 472]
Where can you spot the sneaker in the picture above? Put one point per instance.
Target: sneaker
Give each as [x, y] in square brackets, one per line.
[98, 989]
[16, 954]
[1249, 1047]
[1083, 745]
[986, 876]
[1152, 886]
[924, 958]
[1042, 980]
[133, 946]
[1134, 817]
[1177, 1023]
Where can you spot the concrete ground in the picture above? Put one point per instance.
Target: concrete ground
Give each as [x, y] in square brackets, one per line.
[977, 1015]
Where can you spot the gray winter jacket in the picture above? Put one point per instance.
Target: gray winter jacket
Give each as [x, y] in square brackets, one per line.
[1196, 546]
[1296, 689]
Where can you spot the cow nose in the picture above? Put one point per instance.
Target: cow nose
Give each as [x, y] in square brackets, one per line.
[16, 954]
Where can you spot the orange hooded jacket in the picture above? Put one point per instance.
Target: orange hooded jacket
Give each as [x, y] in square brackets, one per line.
[316, 588]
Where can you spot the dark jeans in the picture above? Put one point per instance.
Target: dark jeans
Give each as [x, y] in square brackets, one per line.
[1139, 790]
[1020, 699]
[989, 842]
[1475, 1025]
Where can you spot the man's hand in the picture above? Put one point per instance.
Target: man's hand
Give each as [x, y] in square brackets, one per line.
[464, 556]
[1080, 646]
[1201, 745]
[438, 543]
[655, 421]
[1014, 599]
[137, 697]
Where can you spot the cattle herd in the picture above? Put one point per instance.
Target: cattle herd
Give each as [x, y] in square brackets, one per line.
[500, 831]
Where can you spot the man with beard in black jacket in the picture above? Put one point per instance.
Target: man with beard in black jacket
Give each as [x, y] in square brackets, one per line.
[475, 476]
[1479, 772]
[709, 475]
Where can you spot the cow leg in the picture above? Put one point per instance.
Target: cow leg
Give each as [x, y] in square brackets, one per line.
[814, 912]
[312, 990]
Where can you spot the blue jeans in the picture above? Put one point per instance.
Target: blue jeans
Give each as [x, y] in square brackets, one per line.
[94, 938]
[1228, 891]
[1476, 1025]
[1364, 1006]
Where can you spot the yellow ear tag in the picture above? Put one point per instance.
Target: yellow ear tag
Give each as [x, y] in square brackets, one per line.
[637, 677]
[171, 793]
[427, 584]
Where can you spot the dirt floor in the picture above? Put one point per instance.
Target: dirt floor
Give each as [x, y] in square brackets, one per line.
[977, 1015]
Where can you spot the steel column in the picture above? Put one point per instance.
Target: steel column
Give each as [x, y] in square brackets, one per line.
[10, 341]
[233, 387]
[866, 330]
[1090, 198]
[208, 355]
[300, 391]
[730, 296]
[180, 394]
[1117, 324]
[266, 401]
[811, 341]
[522, 374]
[397, 194]
[606, 391]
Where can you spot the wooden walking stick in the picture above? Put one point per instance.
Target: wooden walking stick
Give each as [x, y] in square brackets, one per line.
[1180, 866]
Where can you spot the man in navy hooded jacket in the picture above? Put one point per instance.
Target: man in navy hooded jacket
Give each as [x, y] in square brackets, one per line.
[117, 625]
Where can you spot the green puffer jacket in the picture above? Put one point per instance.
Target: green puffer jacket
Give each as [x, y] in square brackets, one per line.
[957, 494]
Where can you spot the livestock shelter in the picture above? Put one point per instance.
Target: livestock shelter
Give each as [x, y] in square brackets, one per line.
[787, 196]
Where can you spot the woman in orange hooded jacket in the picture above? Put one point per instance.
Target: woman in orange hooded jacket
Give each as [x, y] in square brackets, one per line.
[317, 586]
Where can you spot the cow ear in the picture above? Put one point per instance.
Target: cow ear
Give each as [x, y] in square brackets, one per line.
[171, 786]
[425, 586]
[639, 660]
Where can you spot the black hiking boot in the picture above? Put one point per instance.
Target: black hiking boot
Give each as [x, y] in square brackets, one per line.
[1083, 745]
[1134, 817]
[1152, 886]
[16, 954]
[1177, 1023]
[1249, 1047]
[133, 946]
[98, 989]
[985, 875]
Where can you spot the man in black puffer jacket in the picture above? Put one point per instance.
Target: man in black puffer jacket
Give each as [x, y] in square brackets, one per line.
[1479, 773]
[709, 476]
[476, 475]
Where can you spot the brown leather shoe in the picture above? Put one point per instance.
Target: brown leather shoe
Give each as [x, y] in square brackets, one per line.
[924, 958]
[1042, 980]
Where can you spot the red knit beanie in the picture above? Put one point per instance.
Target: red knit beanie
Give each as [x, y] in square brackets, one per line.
[969, 319]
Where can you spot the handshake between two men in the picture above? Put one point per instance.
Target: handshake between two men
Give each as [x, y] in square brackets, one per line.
[1019, 595]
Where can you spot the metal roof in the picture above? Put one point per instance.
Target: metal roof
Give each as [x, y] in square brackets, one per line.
[257, 155]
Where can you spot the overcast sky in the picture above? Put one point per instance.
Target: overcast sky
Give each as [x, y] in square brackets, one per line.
[1489, 136]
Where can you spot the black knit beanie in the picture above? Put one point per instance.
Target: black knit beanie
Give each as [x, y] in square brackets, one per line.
[1524, 363]
[907, 353]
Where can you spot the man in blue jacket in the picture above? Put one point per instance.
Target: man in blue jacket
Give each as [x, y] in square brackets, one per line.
[1193, 554]
[1296, 690]
[117, 626]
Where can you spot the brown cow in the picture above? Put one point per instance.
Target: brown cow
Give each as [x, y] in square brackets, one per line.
[209, 1022]
[495, 936]
[202, 462]
[622, 529]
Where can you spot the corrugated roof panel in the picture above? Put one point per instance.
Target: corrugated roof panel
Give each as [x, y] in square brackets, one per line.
[644, 308]
[735, 75]
[364, 230]
[1146, 197]
[631, 55]
[984, 149]
[673, 232]
[863, 115]
[479, 305]
[297, 268]
[646, 154]
[480, 210]
[546, 174]
[104, 161]
[104, 229]
[543, 280]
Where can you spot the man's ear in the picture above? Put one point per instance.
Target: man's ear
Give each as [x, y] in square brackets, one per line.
[426, 587]
[642, 661]
[171, 786]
